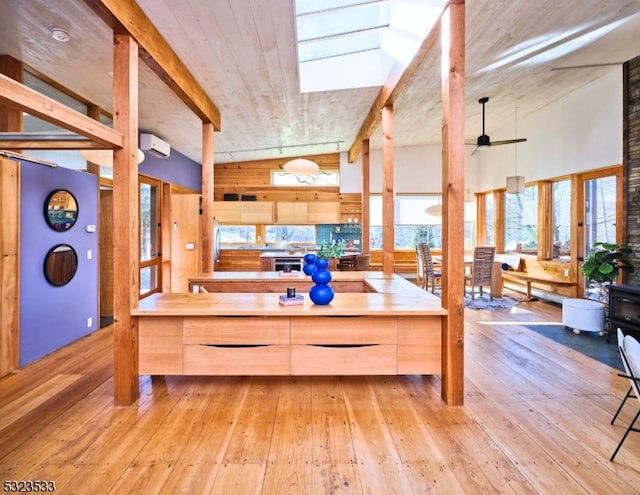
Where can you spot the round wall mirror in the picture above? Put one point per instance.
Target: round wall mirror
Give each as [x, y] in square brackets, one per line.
[60, 264]
[61, 210]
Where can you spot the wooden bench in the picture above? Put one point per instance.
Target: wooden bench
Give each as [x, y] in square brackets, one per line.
[543, 272]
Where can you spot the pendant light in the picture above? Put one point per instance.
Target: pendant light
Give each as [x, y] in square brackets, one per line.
[515, 183]
[301, 167]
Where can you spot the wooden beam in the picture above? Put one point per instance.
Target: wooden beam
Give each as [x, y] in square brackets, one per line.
[453, 168]
[206, 207]
[126, 230]
[388, 191]
[127, 16]
[11, 119]
[396, 82]
[17, 95]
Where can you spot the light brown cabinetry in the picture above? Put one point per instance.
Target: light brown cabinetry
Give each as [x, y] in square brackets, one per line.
[289, 345]
[302, 213]
[239, 260]
[243, 212]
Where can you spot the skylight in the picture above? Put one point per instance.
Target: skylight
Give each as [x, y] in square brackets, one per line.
[345, 44]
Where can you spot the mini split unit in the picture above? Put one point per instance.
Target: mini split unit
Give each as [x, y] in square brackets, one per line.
[154, 145]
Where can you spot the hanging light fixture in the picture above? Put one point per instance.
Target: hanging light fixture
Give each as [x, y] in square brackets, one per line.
[301, 167]
[515, 183]
[104, 158]
[434, 210]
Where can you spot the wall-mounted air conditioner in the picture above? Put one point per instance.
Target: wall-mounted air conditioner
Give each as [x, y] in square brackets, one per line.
[154, 145]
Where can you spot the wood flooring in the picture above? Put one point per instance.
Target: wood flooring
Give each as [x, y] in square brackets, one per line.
[535, 421]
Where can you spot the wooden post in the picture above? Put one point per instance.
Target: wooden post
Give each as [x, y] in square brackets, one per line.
[206, 213]
[388, 223]
[453, 157]
[365, 223]
[126, 220]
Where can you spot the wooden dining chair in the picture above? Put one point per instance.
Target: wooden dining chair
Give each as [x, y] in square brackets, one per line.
[480, 275]
[363, 261]
[430, 275]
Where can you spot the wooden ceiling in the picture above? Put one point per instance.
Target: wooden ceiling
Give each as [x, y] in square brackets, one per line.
[242, 53]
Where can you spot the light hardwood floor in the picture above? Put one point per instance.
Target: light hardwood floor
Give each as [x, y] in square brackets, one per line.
[535, 420]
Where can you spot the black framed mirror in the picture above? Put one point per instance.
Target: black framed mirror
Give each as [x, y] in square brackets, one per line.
[60, 264]
[61, 210]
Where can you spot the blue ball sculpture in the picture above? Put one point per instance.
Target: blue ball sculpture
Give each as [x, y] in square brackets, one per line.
[321, 293]
[309, 266]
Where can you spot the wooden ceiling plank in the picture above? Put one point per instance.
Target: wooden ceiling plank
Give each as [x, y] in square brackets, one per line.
[17, 95]
[127, 16]
[397, 81]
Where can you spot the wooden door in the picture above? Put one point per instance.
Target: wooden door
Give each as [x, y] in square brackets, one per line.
[185, 240]
[105, 248]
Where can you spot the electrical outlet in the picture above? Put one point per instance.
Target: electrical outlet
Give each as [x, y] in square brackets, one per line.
[89, 322]
[89, 254]
[566, 272]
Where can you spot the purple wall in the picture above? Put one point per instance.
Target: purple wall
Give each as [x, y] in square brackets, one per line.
[51, 317]
[177, 169]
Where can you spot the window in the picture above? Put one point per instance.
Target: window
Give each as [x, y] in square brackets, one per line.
[149, 236]
[489, 220]
[237, 234]
[599, 211]
[413, 224]
[327, 178]
[561, 218]
[521, 221]
[291, 233]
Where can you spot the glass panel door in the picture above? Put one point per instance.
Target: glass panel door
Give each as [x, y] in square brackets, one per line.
[600, 217]
[149, 237]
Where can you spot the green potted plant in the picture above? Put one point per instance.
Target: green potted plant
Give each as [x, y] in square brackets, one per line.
[331, 250]
[604, 263]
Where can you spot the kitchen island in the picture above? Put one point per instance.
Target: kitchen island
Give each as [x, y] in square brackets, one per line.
[379, 326]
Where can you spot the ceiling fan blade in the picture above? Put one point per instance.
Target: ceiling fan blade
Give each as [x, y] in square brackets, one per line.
[508, 141]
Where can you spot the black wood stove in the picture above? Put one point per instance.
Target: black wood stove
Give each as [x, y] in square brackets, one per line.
[624, 308]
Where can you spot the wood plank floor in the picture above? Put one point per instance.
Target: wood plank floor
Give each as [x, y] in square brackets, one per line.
[535, 420]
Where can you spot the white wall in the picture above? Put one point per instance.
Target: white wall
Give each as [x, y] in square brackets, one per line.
[582, 131]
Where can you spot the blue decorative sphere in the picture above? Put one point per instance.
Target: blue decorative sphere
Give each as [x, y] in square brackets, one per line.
[321, 294]
[310, 258]
[322, 263]
[309, 268]
[321, 276]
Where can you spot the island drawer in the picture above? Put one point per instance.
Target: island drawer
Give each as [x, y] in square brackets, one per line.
[419, 345]
[160, 346]
[375, 359]
[236, 360]
[235, 330]
[344, 330]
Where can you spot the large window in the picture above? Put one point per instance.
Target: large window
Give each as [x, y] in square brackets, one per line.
[599, 211]
[149, 236]
[489, 220]
[291, 233]
[237, 234]
[416, 220]
[521, 221]
[561, 218]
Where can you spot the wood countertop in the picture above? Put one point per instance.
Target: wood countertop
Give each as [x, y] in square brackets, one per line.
[392, 296]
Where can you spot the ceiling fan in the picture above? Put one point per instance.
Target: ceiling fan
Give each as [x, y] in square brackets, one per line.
[484, 141]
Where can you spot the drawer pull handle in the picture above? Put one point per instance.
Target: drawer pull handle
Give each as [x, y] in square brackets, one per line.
[343, 345]
[235, 346]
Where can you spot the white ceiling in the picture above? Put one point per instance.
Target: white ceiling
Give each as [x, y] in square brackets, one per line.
[243, 54]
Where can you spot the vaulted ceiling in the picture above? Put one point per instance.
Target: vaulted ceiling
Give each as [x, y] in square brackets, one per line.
[520, 53]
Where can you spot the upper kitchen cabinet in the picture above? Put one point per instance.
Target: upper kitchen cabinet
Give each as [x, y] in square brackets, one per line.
[243, 212]
[291, 212]
[307, 213]
[323, 212]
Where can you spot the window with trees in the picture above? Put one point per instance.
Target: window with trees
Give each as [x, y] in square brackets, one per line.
[561, 218]
[521, 221]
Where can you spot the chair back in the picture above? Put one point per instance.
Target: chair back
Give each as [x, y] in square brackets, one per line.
[363, 261]
[483, 257]
[630, 354]
[427, 259]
